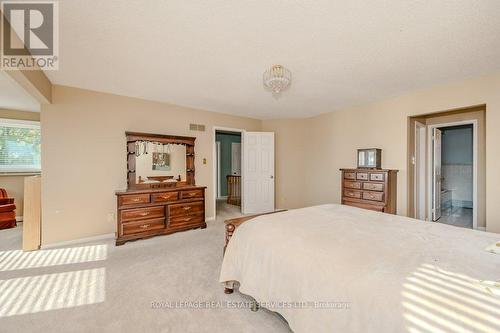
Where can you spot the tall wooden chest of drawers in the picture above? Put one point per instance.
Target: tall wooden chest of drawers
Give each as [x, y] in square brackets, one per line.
[144, 213]
[374, 189]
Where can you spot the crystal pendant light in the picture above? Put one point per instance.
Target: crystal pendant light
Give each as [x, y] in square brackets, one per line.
[277, 79]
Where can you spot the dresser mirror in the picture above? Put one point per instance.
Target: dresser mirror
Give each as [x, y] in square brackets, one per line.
[370, 158]
[159, 161]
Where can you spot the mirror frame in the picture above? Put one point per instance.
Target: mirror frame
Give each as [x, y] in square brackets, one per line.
[187, 141]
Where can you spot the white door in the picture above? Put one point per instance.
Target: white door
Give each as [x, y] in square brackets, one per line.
[236, 158]
[258, 172]
[436, 174]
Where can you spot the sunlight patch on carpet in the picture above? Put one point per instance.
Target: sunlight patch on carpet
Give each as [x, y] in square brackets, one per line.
[17, 259]
[52, 291]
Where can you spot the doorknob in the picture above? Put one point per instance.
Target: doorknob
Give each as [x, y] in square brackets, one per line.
[272, 177]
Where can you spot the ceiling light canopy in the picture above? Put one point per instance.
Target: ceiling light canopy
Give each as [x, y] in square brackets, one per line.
[277, 78]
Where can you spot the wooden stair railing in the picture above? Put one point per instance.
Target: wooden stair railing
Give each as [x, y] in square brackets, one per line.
[233, 190]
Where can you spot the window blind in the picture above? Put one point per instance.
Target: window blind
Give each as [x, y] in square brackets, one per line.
[19, 146]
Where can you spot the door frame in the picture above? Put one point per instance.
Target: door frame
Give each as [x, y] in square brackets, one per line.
[214, 164]
[430, 165]
[419, 175]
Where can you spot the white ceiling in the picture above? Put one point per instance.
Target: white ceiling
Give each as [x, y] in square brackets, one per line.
[211, 54]
[14, 97]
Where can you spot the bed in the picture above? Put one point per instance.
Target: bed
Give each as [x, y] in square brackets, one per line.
[335, 268]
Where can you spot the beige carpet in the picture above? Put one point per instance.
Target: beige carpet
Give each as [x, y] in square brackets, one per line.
[102, 288]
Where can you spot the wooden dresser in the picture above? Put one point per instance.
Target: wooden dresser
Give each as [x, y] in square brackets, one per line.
[162, 196]
[374, 189]
[151, 212]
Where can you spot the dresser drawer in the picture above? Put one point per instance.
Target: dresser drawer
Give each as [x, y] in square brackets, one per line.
[165, 197]
[185, 209]
[137, 227]
[373, 186]
[374, 196]
[362, 175]
[378, 177]
[192, 194]
[352, 193]
[142, 213]
[349, 184]
[364, 206]
[133, 199]
[350, 175]
[180, 221]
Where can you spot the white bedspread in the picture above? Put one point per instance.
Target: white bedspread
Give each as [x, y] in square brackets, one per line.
[395, 274]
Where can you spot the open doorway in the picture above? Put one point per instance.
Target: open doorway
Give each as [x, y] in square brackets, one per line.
[447, 158]
[453, 174]
[228, 172]
[243, 172]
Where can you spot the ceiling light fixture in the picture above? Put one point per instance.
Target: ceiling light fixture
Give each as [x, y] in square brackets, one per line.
[277, 78]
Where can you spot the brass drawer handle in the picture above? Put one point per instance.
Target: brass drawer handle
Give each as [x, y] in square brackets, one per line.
[144, 214]
[136, 200]
[187, 219]
[187, 208]
[145, 226]
[165, 197]
[192, 194]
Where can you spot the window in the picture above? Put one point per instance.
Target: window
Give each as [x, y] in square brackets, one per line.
[19, 146]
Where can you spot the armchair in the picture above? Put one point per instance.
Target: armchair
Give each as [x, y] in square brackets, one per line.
[7, 211]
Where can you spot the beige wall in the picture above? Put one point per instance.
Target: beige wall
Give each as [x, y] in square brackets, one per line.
[14, 184]
[84, 155]
[332, 140]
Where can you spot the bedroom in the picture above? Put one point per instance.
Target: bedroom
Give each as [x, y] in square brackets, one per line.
[359, 72]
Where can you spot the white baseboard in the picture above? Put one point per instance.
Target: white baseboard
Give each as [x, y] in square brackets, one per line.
[222, 197]
[211, 218]
[481, 228]
[78, 241]
[19, 219]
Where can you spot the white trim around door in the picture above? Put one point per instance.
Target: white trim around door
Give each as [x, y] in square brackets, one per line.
[419, 171]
